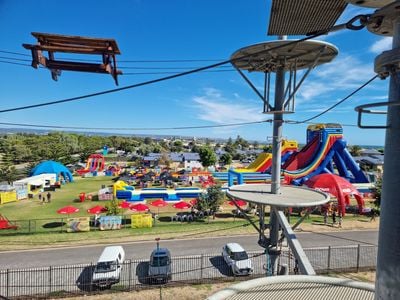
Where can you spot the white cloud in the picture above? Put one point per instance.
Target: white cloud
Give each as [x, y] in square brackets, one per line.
[344, 73]
[381, 45]
[213, 107]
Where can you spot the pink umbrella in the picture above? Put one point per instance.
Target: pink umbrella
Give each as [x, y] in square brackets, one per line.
[124, 204]
[98, 209]
[66, 210]
[139, 207]
[238, 203]
[182, 205]
[159, 203]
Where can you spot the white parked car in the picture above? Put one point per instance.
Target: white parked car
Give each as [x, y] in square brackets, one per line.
[108, 268]
[237, 259]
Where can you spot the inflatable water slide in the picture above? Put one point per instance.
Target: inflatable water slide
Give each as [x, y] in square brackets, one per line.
[94, 163]
[258, 170]
[325, 152]
[263, 162]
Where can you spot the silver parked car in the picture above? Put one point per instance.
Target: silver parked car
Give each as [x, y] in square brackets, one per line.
[160, 266]
[237, 259]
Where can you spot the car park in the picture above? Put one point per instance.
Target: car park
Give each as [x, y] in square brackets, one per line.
[237, 259]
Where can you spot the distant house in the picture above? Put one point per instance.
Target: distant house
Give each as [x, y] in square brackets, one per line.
[370, 159]
[151, 159]
[186, 160]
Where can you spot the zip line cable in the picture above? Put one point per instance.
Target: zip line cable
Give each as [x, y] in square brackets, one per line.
[338, 103]
[144, 83]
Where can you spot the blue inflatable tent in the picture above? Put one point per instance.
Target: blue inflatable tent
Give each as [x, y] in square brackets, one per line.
[52, 167]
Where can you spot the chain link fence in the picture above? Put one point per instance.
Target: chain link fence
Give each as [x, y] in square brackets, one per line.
[54, 281]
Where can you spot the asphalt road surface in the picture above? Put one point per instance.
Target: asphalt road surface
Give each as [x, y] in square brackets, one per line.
[186, 247]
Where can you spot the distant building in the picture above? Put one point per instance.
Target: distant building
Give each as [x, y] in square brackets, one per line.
[371, 160]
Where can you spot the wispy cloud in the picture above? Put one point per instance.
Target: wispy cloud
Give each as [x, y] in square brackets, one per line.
[381, 45]
[345, 73]
[215, 108]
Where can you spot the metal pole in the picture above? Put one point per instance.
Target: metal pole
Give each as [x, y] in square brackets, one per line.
[276, 159]
[388, 264]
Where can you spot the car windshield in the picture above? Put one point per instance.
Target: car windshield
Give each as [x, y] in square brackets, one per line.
[105, 266]
[240, 255]
[160, 261]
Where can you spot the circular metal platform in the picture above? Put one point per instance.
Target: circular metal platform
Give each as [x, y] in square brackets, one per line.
[370, 3]
[290, 196]
[297, 287]
[290, 55]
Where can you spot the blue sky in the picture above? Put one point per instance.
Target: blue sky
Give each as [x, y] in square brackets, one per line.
[206, 31]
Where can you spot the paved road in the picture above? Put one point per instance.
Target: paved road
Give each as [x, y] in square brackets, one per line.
[142, 250]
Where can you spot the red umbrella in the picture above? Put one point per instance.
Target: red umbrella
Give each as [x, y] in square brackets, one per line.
[238, 203]
[159, 203]
[66, 210]
[124, 204]
[336, 186]
[193, 201]
[98, 209]
[139, 207]
[182, 205]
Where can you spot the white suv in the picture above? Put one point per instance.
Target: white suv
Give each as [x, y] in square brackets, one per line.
[237, 259]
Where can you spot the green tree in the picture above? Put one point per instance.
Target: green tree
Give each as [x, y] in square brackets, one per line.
[355, 150]
[113, 208]
[267, 148]
[211, 200]
[377, 190]
[207, 156]
[226, 158]
[177, 146]
[230, 147]
[8, 173]
[147, 141]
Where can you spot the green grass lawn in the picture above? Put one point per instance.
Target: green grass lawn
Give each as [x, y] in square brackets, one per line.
[41, 225]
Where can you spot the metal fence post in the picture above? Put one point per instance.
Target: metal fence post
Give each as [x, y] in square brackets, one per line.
[130, 275]
[358, 257]
[29, 226]
[50, 279]
[201, 266]
[91, 277]
[329, 258]
[7, 282]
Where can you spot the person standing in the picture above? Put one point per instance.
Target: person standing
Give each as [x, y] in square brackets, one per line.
[340, 219]
[333, 217]
[48, 197]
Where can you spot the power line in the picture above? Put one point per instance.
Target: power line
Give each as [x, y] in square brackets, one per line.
[311, 36]
[126, 61]
[338, 103]
[127, 73]
[13, 63]
[158, 79]
[135, 128]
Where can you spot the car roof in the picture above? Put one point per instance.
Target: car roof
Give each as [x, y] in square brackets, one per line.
[235, 247]
[110, 253]
[160, 251]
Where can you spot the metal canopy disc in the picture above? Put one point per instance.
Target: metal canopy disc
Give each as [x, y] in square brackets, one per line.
[299, 17]
[370, 3]
[290, 196]
[259, 57]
